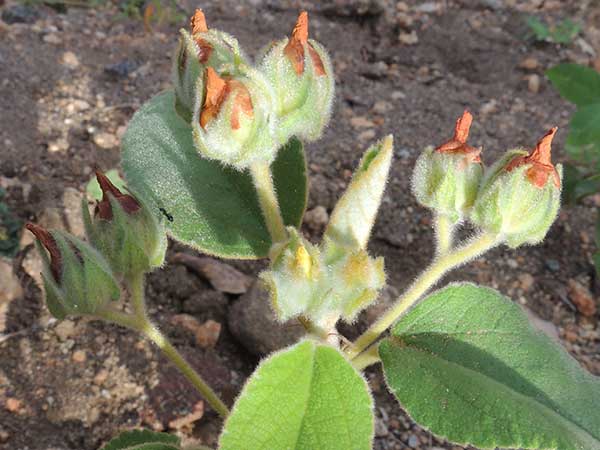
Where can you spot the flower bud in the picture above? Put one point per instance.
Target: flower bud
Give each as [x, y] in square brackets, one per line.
[300, 71]
[125, 231]
[233, 120]
[77, 279]
[520, 196]
[446, 179]
[322, 283]
[198, 49]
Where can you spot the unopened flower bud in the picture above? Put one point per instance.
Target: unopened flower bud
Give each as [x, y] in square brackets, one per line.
[446, 179]
[322, 283]
[199, 48]
[233, 119]
[300, 71]
[77, 279]
[520, 196]
[125, 231]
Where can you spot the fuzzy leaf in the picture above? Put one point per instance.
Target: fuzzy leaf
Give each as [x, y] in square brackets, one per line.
[214, 209]
[143, 440]
[306, 397]
[584, 127]
[467, 365]
[576, 83]
[354, 215]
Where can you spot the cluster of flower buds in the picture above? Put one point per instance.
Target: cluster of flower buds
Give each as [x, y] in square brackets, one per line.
[241, 115]
[337, 278]
[517, 198]
[125, 240]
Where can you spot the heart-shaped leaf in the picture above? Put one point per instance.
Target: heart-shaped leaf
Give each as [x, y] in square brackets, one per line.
[467, 365]
[578, 84]
[306, 397]
[208, 206]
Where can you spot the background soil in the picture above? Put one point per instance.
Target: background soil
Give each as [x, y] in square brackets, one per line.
[69, 82]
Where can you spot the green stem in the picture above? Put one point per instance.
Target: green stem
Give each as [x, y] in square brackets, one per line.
[144, 326]
[444, 233]
[366, 359]
[263, 182]
[422, 284]
[136, 290]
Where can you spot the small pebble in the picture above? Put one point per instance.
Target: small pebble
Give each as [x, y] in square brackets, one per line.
[79, 356]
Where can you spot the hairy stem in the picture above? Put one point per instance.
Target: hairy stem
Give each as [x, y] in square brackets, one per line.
[136, 290]
[263, 182]
[366, 359]
[473, 248]
[144, 326]
[444, 233]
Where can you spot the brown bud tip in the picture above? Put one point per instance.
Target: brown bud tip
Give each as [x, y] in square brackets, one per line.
[48, 241]
[216, 91]
[198, 22]
[458, 144]
[104, 208]
[541, 163]
[300, 31]
[463, 125]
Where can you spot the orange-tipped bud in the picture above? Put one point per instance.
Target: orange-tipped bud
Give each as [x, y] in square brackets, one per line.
[49, 243]
[104, 209]
[540, 160]
[458, 144]
[198, 26]
[295, 48]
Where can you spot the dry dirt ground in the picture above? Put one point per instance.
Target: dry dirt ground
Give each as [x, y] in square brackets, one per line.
[70, 81]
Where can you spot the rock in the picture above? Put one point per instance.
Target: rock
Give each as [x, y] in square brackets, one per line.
[533, 83]
[408, 38]
[382, 107]
[253, 323]
[404, 20]
[366, 136]
[121, 69]
[526, 281]
[106, 140]
[101, 377]
[188, 419]
[208, 334]
[207, 302]
[428, 7]
[32, 265]
[317, 218]
[10, 288]
[381, 430]
[64, 330]
[489, 108]
[529, 63]
[581, 298]
[19, 14]
[13, 405]
[79, 356]
[552, 265]
[70, 60]
[361, 122]
[72, 210]
[52, 38]
[220, 275]
[413, 441]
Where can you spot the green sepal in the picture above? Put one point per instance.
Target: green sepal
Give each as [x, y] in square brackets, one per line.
[446, 182]
[86, 282]
[510, 205]
[133, 243]
[354, 215]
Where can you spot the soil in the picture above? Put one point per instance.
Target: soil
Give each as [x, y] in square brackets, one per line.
[73, 77]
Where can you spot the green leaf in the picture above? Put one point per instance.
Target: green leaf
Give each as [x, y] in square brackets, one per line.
[306, 397]
[143, 440]
[576, 83]
[466, 364]
[585, 125]
[214, 208]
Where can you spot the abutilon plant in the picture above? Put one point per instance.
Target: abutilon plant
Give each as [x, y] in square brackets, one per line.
[221, 156]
